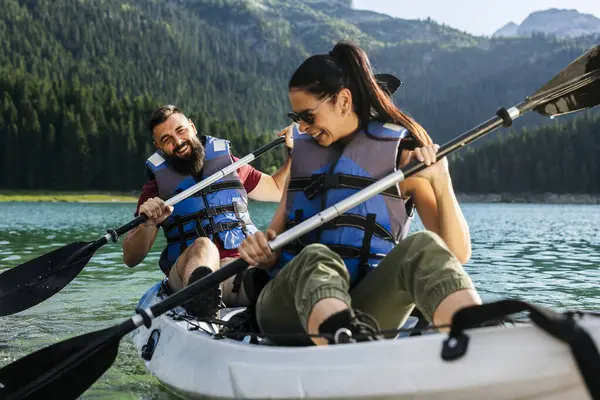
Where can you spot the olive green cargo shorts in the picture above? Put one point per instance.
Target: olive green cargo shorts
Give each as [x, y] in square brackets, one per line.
[419, 271]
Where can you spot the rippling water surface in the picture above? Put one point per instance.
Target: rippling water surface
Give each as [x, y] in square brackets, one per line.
[547, 254]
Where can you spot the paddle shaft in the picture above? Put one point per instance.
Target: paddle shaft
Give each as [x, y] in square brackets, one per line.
[114, 234]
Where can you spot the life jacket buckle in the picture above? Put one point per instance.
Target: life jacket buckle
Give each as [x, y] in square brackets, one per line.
[239, 208]
[214, 227]
[330, 181]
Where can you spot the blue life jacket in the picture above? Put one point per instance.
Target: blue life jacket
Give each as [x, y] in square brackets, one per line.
[221, 208]
[322, 176]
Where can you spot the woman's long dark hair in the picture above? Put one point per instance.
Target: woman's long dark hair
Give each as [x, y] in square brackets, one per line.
[348, 66]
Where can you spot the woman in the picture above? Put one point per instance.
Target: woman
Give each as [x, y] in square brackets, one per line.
[362, 264]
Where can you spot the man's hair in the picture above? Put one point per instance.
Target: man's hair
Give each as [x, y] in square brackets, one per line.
[160, 115]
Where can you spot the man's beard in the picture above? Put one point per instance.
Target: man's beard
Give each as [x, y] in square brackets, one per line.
[192, 164]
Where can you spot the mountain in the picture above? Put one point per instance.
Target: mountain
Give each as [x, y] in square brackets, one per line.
[509, 29]
[559, 22]
[232, 58]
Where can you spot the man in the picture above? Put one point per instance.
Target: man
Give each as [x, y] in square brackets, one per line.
[204, 230]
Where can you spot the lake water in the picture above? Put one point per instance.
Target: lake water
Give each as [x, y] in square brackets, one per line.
[546, 254]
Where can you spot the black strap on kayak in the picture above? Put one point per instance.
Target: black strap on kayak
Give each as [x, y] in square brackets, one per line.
[317, 183]
[241, 325]
[237, 283]
[562, 326]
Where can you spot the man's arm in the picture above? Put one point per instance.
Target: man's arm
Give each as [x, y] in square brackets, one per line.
[272, 187]
[139, 241]
[137, 244]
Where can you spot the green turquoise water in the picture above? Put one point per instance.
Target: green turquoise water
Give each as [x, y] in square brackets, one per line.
[547, 254]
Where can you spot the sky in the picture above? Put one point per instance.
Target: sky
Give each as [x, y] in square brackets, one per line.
[477, 17]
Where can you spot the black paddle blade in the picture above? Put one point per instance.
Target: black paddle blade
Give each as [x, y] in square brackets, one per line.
[29, 284]
[586, 70]
[388, 82]
[63, 370]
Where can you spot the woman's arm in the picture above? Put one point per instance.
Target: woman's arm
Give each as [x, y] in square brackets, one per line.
[433, 195]
[255, 248]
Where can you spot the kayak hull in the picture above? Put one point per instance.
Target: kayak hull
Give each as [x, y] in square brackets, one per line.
[520, 362]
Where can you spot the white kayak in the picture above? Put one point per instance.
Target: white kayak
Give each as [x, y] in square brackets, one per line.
[516, 362]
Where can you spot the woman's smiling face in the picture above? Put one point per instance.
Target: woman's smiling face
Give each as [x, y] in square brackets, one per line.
[326, 119]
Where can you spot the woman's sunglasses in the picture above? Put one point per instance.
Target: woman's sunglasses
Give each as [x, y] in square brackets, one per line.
[306, 115]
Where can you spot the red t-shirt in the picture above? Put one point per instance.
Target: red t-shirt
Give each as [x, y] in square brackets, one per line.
[249, 176]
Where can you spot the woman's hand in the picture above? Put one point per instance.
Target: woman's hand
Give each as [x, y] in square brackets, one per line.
[255, 249]
[436, 170]
[288, 132]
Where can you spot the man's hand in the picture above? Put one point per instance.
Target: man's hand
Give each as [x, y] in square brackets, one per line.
[156, 210]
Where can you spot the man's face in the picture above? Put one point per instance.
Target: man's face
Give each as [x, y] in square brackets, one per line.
[176, 138]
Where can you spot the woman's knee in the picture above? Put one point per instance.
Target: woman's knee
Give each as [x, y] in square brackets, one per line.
[430, 271]
[314, 257]
[426, 238]
[422, 243]
[317, 251]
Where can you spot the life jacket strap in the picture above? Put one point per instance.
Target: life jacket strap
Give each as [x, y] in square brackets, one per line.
[210, 229]
[318, 183]
[343, 251]
[363, 264]
[202, 214]
[369, 225]
[179, 226]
